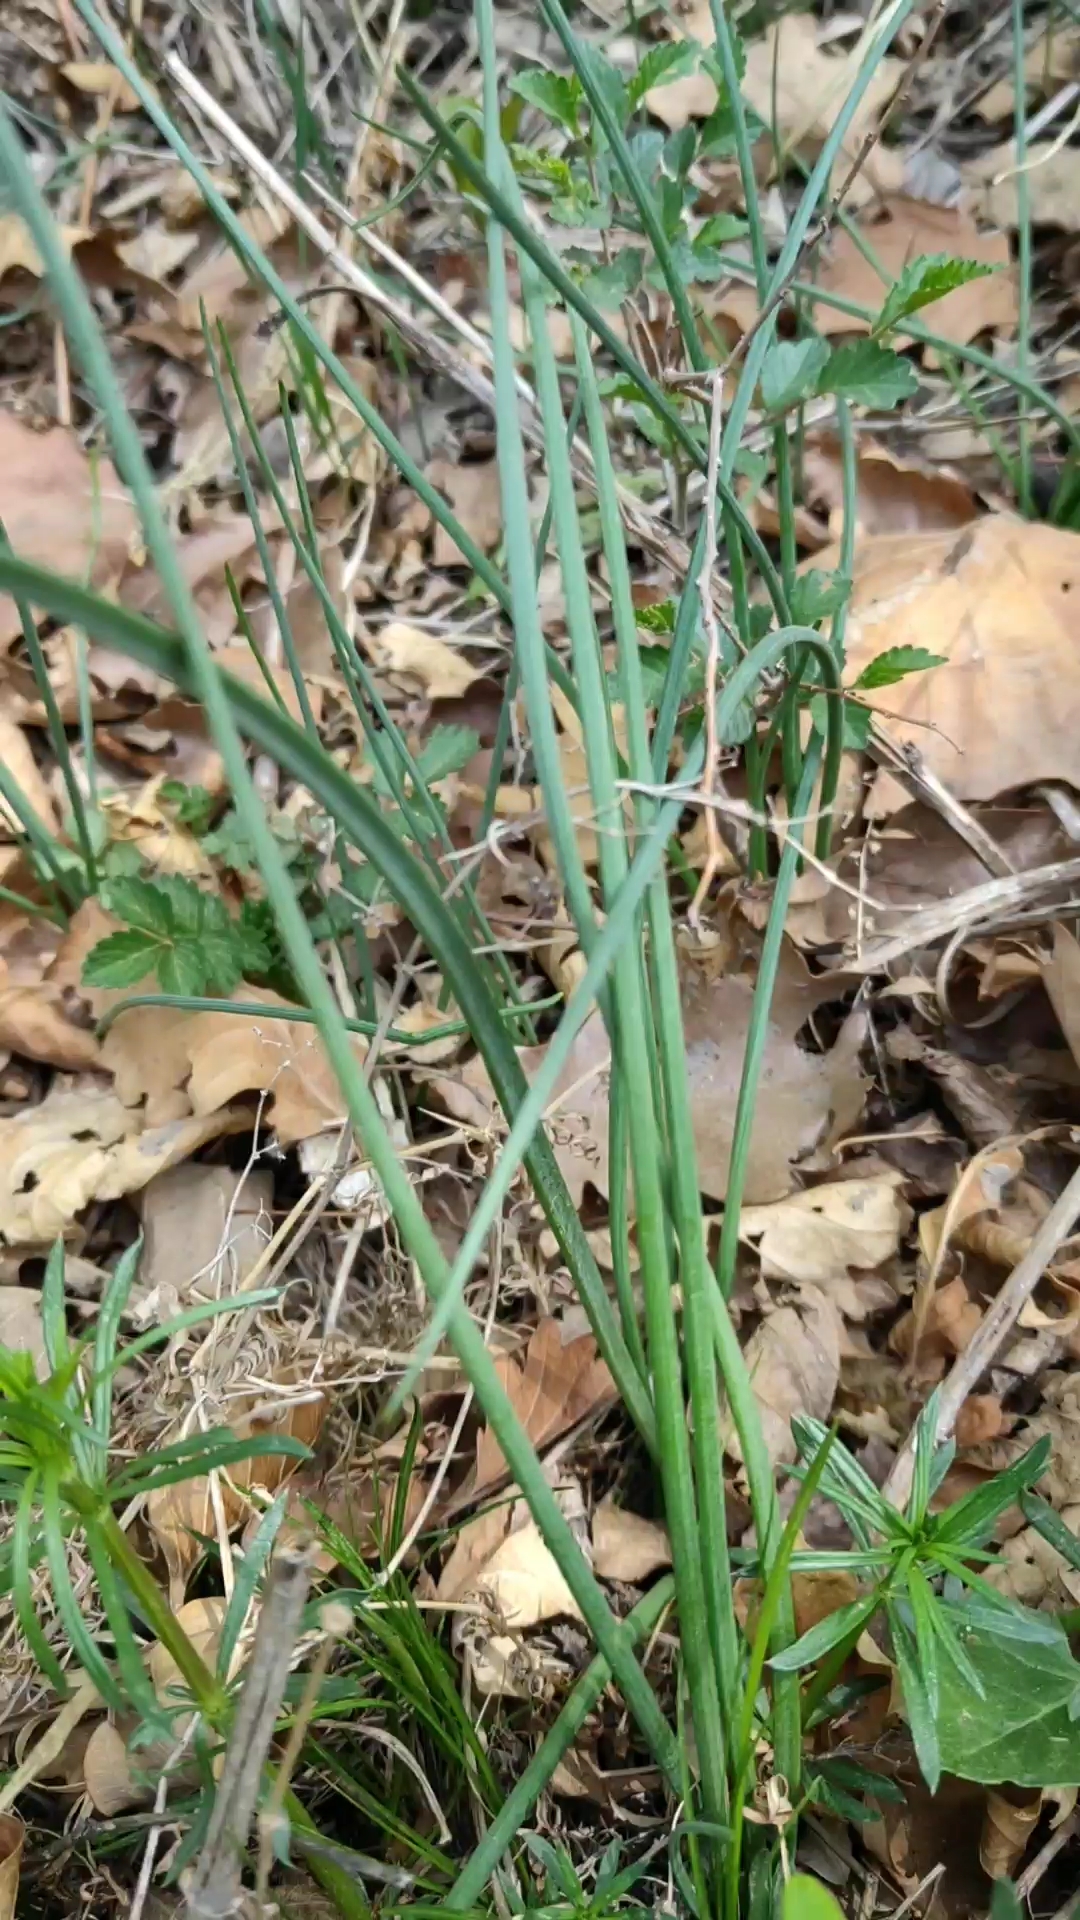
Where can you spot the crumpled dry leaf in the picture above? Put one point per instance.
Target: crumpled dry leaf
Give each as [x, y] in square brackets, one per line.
[178, 1515]
[104, 81]
[18, 758]
[908, 228]
[18, 254]
[995, 601]
[990, 185]
[204, 1227]
[1052, 57]
[443, 671]
[110, 1785]
[34, 1022]
[1061, 978]
[473, 493]
[12, 1835]
[552, 1387]
[893, 495]
[805, 1100]
[793, 1358]
[789, 76]
[818, 1235]
[951, 1320]
[1010, 1819]
[82, 1145]
[61, 508]
[1035, 1573]
[625, 1546]
[522, 1583]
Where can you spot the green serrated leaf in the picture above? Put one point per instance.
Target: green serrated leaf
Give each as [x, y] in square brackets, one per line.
[925, 279]
[610, 282]
[122, 960]
[671, 60]
[446, 751]
[791, 372]
[143, 904]
[892, 665]
[557, 95]
[816, 595]
[869, 374]
[659, 618]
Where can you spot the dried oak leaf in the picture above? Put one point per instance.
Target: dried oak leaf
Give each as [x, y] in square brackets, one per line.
[61, 508]
[625, 1546]
[805, 1100]
[34, 1022]
[893, 495]
[552, 1386]
[443, 671]
[820, 1234]
[996, 602]
[908, 228]
[990, 184]
[793, 1358]
[82, 1145]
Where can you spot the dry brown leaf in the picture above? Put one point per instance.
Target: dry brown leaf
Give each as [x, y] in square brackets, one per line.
[178, 1515]
[805, 1100]
[20, 1325]
[1011, 1817]
[794, 1362]
[204, 1227]
[626, 1546]
[951, 1321]
[799, 87]
[78, 1146]
[18, 757]
[34, 1022]
[893, 495]
[990, 183]
[1052, 57]
[816, 1596]
[298, 1413]
[552, 1387]
[996, 602]
[103, 81]
[981, 1418]
[110, 1783]
[61, 509]
[522, 1582]
[820, 1234]
[908, 228]
[12, 1835]
[473, 493]
[18, 253]
[474, 1544]
[442, 671]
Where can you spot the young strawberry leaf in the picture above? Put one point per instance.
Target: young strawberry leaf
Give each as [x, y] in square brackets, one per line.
[816, 596]
[672, 60]
[894, 663]
[446, 751]
[869, 374]
[925, 279]
[791, 371]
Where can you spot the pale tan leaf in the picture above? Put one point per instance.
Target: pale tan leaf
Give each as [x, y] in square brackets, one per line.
[794, 1362]
[61, 509]
[907, 228]
[110, 1782]
[818, 1235]
[34, 1022]
[990, 181]
[104, 81]
[522, 1582]
[18, 758]
[1061, 978]
[443, 672]
[625, 1545]
[204, 1227]
[893, 495]
[76, 1147]
[473, 1546]
[473, 493]
[177, 1515]
[1009, 1821]
[996, 602]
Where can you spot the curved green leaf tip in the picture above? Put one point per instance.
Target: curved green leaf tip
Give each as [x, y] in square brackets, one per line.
[806, 1899]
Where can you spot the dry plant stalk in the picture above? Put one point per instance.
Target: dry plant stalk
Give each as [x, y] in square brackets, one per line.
[214, 1890]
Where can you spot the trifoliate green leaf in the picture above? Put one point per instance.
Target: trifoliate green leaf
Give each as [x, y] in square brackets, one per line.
[869, 374]
[894, 664]
[925, 279]
[790, 373]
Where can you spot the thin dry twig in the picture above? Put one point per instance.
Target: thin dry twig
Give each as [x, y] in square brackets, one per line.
[714, 848]
[982, 907]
